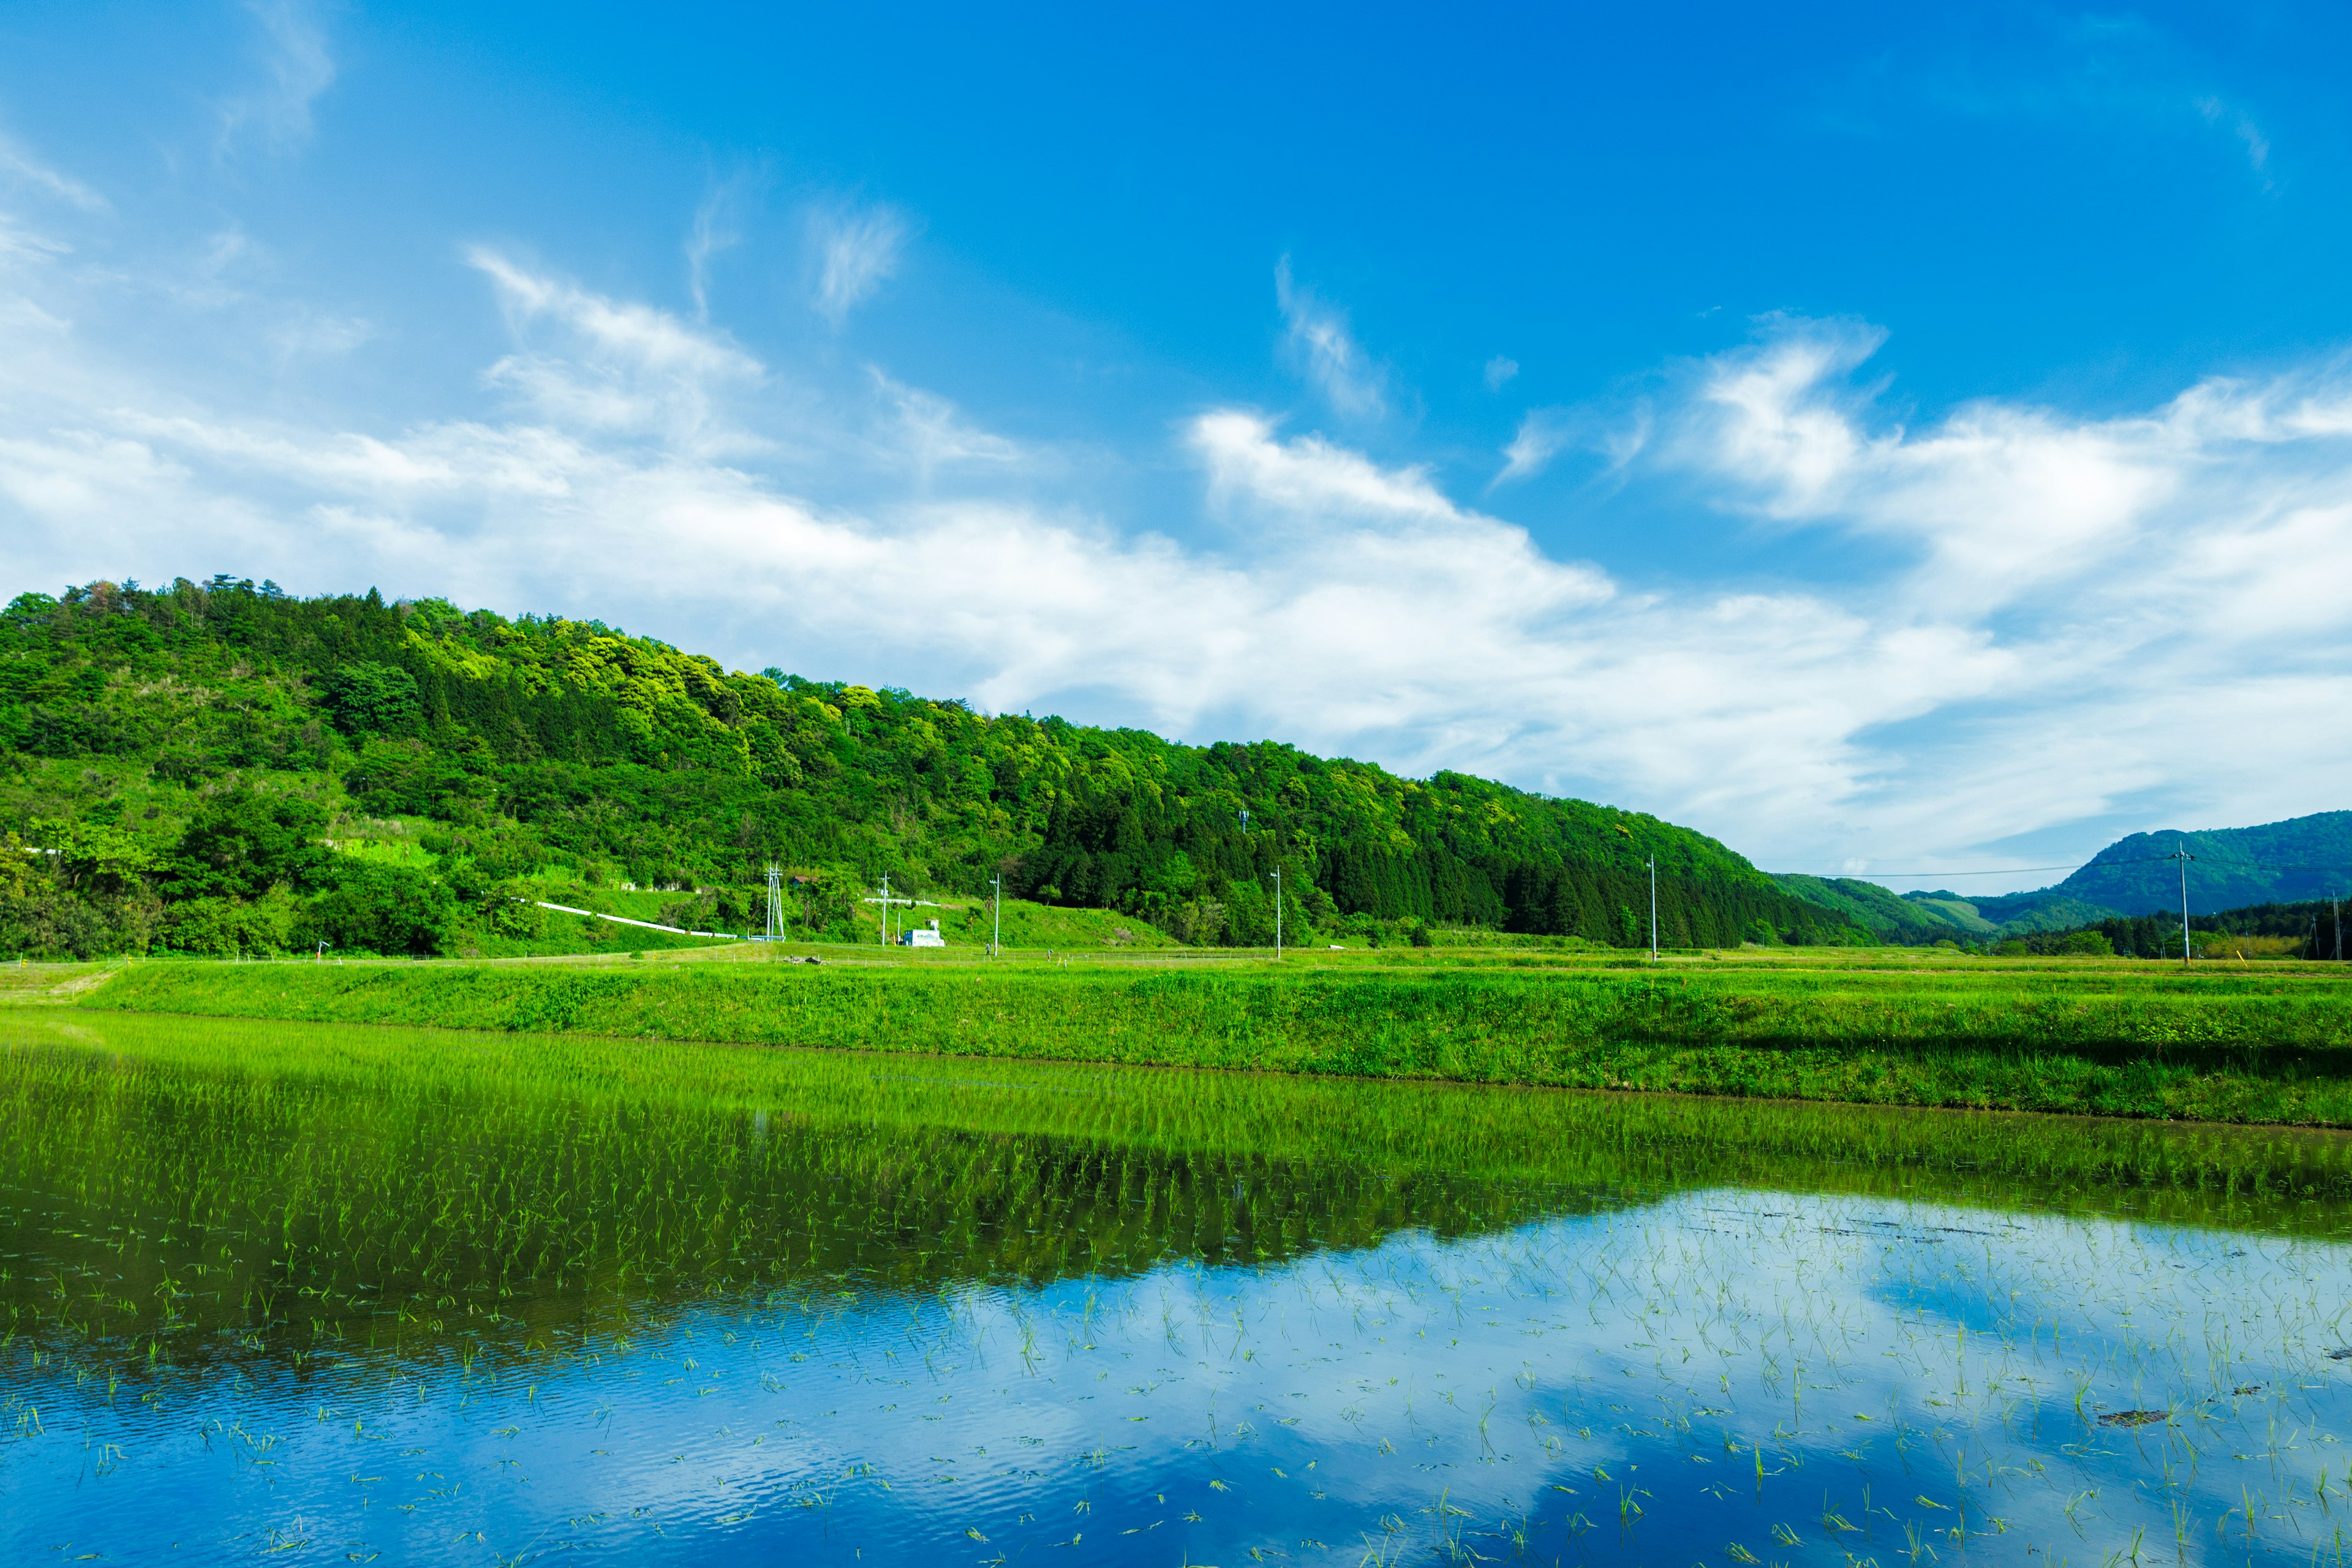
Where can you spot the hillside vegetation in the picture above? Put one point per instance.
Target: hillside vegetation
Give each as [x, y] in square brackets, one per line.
[1938, 916]
[219, 768]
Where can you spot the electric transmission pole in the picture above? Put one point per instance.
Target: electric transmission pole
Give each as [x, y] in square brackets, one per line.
[2181, 853]
[996, 937]
[1277, 914]
[775, 904]
[1654, 908]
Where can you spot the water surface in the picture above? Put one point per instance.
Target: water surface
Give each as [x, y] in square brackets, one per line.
[350, 1294]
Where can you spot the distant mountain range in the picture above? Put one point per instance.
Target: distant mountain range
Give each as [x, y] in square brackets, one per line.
[2301, 859]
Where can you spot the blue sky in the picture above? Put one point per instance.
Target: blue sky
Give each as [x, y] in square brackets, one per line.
[1887, 439]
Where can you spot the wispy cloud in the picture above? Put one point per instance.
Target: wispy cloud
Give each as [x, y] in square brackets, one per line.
[18, 240]
[1617, 437]
[1542, 432]
[21, 169]
[1317, 334]
[296, 68]
[1500, 369]
[935, 432]
[1779, 410]
[856, 251]
[615, 367]
[713, 230]
[2248, 134]
[305, 333]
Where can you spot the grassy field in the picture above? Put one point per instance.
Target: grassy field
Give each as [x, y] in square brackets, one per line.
[2264, 1043]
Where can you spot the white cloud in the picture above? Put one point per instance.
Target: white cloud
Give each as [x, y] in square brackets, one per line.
[856, 251]
[1317, 335]
[1541, 436]
[2168, 585]
[1618, 438]
[1778, 421]
[1309, 479]
[2003, 502]
[296, 69]
[1499, 370]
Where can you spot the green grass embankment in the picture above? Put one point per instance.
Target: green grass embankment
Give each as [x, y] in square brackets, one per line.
[2243, 1048]
[24, 985]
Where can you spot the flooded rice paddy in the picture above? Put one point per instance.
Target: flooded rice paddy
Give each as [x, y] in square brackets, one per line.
[330, 1295]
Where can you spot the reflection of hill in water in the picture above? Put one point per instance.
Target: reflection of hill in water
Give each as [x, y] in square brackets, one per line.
[219, 1189]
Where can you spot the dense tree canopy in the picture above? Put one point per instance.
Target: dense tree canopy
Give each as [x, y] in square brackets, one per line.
[542, 741]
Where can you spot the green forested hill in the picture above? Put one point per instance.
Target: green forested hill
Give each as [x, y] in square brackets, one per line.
[2302, 858]
[1876, 908]
[2231, 869]
[219, 765]
[1930, 917]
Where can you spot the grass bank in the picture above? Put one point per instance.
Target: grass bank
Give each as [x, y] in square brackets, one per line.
[2251, 1047]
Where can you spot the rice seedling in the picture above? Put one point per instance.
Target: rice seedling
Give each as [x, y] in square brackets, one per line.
[519, 1293]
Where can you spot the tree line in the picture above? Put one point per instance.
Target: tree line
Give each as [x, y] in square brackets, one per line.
[136, 723]
[2310, 928]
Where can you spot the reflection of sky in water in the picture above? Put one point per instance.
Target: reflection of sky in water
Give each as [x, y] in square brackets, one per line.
[1790, 1378]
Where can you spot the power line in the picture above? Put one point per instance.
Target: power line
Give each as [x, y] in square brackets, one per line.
[1996, 872]
[2080, 866]
[1999, 871]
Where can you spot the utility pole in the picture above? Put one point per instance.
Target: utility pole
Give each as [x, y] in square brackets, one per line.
[2181, 853]
[1244, 815]
[885, 909]
[2335, 918]
[996, 937]
[1654, 908]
